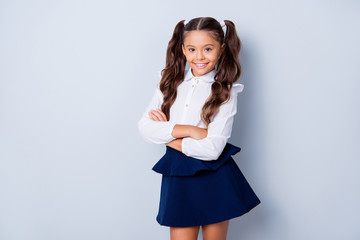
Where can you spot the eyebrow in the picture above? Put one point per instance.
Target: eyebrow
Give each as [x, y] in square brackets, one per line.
[204, 45]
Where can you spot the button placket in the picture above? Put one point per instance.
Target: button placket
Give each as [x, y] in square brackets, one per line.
[188, 98]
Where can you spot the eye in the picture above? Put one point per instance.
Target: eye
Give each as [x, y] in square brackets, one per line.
[191, 49]
[208, 49]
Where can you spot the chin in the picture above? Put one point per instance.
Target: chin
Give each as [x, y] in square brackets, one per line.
[202, 72]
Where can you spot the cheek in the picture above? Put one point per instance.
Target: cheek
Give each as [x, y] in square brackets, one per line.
[189, 57]
[214, 57]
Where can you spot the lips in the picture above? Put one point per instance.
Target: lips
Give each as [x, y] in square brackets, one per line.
[201, 65]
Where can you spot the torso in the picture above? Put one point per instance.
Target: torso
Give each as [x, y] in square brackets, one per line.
[191, 97]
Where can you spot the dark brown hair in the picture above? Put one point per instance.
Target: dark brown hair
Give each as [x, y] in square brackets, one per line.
[227, 72]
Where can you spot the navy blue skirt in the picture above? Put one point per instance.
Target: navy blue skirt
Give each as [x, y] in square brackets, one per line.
[196, 192]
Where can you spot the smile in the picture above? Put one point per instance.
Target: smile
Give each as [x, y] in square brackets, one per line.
[201, 65]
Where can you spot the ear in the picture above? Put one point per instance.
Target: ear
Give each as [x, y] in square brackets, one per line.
[183, 49]
[222, 48]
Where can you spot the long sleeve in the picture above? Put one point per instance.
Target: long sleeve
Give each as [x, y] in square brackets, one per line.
[219, 131]
[155, 131]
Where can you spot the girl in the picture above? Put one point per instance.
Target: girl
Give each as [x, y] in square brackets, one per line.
[192, 112]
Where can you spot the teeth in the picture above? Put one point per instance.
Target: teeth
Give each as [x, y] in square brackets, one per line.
[200, 64]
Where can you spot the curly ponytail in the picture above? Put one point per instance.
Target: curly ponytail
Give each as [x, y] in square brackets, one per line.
[173, 73]
[228, 70]
[229, 67]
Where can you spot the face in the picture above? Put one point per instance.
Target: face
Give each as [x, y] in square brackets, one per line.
[202, 51]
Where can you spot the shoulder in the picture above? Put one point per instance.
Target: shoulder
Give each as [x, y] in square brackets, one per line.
[237, 88]
[158, 91]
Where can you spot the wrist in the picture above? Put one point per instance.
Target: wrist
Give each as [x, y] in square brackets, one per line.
[190, 130]
[180, 131]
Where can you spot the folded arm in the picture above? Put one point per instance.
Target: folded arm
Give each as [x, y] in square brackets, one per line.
[205, 144]
[151, 130]
[181, 131]
[155, 128]
[218, 132]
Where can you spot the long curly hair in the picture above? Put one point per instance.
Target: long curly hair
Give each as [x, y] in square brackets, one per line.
[227, 72]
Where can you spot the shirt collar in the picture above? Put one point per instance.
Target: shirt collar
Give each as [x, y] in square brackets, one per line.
[209, 77]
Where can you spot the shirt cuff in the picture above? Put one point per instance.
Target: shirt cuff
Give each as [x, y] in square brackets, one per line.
[171, 128]
[184, 146]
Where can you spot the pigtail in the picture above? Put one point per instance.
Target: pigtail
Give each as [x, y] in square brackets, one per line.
[229, 68]
[228, 72]
[173, 73]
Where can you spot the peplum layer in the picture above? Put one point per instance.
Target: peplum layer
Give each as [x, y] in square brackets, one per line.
[176, 163]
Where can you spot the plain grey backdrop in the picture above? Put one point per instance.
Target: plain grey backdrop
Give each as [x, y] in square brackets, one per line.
[75, 77]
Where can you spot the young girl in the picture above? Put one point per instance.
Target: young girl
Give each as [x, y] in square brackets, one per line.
[192, 112]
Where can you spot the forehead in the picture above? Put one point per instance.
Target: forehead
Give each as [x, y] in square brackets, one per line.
[201, 37]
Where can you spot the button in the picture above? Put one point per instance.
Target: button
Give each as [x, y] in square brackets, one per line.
[186, 105]
[192, 85]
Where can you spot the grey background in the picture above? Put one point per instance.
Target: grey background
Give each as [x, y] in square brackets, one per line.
[75, 76]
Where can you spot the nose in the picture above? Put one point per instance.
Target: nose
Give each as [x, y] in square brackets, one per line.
[200, 55]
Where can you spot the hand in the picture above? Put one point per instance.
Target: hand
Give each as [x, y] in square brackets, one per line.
[175, 144]
[198, 133]
[157, 115]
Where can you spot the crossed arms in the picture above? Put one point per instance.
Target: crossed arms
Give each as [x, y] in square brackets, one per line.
[205, 144]
[179, 131]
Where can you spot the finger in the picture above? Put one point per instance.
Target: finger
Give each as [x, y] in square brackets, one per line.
[162, 115]
[159, 116]
[153, 116]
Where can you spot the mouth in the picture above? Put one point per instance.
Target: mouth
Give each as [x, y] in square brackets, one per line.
[201, 65]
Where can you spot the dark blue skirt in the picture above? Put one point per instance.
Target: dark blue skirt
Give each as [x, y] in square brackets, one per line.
[196, 192]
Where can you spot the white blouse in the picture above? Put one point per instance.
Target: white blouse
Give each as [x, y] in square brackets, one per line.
[192, 94]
